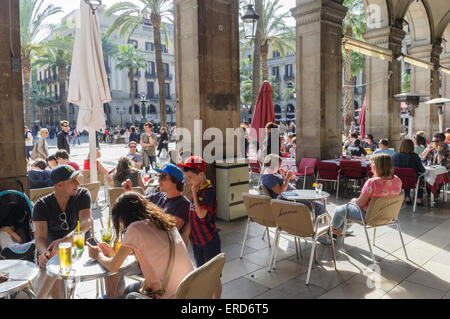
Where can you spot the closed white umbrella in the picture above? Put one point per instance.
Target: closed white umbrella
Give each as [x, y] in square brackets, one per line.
[88, 82]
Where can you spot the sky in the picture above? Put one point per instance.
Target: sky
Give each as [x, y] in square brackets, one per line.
[69, 5]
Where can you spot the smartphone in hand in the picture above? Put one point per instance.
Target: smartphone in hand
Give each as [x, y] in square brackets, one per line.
[92, 241]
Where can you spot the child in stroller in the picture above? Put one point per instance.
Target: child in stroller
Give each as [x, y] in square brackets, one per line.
[16, 237]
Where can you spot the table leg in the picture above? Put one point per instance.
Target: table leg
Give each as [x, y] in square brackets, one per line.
[29, 292]
[431, 199]
[64, 288]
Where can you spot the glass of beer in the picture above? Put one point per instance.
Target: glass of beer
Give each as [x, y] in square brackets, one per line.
[65, 258]
[78, 242]
[106, 236]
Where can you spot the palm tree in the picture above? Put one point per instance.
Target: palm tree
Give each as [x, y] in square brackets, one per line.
[354, 26]
[131, 59]
[130, 18]
[58, 55]
[38, 98]
[32, 23]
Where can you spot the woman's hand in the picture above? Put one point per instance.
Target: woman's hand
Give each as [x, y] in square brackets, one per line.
[282, 171]
[290, 174]
[106, 249]
[127, 185]
[94, 251]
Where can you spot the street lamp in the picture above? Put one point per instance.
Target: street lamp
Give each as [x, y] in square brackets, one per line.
[412, 100]
[143, 101]
[250, 18]
[121, 112]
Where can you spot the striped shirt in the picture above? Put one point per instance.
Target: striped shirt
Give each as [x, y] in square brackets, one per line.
[204, 229]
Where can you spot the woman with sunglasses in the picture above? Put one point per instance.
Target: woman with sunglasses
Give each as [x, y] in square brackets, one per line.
[125, 170]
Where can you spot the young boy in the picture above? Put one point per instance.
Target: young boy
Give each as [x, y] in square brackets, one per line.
[202, 214]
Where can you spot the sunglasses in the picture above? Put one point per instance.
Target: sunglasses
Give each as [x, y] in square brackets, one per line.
[132, 146]
[63, 218]
[435, 141]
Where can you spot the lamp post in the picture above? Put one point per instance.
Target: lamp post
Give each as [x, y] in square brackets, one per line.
[412, 100]
[121, 112]
[250, 19]
[143, 101]
[439, 102]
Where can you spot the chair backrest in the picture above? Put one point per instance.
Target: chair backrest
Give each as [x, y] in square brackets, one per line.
[384, 210]
[93, 189]
[115, 192]
[185, 234]
[37, 193]
[408, 177]
[293, 218]
[351, 169]
[328, 170]
[259, 209]
[311, 163]
[201, 283]
[87, 177]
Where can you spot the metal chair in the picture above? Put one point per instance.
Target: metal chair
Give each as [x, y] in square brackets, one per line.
[410, 180]
[382, 211]
[201, 283]
[328, 172]
[306, 168]
[37, 193]
[295, 219]
[351, 171]
[258, 211]
[93, 188]
[115, 192]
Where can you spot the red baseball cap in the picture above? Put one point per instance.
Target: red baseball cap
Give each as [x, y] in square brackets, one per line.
[195, 162]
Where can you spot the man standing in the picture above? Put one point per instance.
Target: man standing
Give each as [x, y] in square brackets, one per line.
[63, 137]
[148, 143]
[134, 155]
[28, 141]
[56, 217]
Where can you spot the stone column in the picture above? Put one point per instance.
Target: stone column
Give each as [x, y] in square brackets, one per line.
[319, 78]
[12, 144]
[427, 82]
[445, 61]
[207, 66]
[384, 81]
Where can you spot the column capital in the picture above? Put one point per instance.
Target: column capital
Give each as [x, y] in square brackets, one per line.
[430, 52]
[389, 37]
[307, 12]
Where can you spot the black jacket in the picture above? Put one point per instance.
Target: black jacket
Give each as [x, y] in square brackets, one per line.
[62, 142]
[408, 160]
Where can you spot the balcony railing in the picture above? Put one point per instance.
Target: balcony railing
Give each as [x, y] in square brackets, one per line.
[137, 74]
[149, 75]
[289, 77]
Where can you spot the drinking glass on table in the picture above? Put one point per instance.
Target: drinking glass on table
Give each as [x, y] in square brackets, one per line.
[106, 236]
[318, 188]
[78, 242]
[65, 257]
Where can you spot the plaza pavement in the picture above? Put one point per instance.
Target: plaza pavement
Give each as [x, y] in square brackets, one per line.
[425, 275]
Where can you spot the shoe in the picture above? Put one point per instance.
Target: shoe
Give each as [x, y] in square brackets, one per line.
[325, 240]
[349, 232]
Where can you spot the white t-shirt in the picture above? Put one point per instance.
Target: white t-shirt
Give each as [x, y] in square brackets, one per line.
[29, 139]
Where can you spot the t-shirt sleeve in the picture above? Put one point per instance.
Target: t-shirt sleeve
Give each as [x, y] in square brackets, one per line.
[84, 199]
[368, 188]
[130, 238]
[183, 210]
[208, 201]
[39, 211]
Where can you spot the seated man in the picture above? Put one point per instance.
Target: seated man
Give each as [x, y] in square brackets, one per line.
[56, 217]
[170, 197]
[356, 149]
[39, 175]
[353, 137]
[276, 181]
[52, 162]
[384, 148]
[134, 156]
[370, 143]
[63, 159]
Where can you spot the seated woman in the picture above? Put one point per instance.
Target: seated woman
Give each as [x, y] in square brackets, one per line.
[125, 170]
[100, 167]
[383, 184]
[276, 180]
[407, 158]
[146, 236]
[420, 144]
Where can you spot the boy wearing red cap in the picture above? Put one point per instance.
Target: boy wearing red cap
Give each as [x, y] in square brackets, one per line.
[202, 214]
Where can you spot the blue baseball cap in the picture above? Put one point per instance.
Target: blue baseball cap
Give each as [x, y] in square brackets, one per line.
[172, 170]
[63, 173]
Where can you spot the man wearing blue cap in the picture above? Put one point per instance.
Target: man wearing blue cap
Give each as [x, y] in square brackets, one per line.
[170, 197]
[56, 217]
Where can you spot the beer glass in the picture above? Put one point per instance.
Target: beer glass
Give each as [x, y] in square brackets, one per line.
[65, 258]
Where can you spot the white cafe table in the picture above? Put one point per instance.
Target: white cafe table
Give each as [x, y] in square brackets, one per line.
[83, 269]
[21, 274]
[308, 195]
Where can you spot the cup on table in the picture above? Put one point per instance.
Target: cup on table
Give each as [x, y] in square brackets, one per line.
[106, 236]
[65, 258]
[78, 243]
[318, 188]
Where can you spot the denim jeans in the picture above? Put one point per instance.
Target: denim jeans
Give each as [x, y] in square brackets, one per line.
[339, 215]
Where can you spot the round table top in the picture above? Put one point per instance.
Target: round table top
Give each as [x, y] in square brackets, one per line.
[21, 272]
[304, 194]
[85, 268]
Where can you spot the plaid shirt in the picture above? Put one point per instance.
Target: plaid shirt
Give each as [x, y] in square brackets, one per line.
[432, 156]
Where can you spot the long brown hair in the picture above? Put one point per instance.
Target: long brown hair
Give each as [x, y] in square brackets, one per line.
[124, 168]
[131, 207]
[384, 165]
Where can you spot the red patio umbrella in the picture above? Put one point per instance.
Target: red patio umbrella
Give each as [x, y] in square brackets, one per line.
[362, 120]
[264, 112]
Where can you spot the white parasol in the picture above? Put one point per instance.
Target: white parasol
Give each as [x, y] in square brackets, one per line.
[88, 82]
